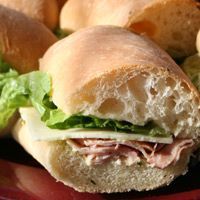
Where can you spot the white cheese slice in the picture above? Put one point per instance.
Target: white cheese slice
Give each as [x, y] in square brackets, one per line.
[39, 131]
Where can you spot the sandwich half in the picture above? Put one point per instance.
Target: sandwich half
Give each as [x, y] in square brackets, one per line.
[22, 42]
[109, 112]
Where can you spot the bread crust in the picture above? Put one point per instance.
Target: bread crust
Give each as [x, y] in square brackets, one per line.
[173, 24]
[44, 11]
[118, 51]
[70, 168]
[171, 30]
[22, 40]
[96, 65]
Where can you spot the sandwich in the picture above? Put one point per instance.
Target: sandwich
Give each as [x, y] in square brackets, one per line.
[172, 24]
[109, 111]
[22, 42]
[44, 11]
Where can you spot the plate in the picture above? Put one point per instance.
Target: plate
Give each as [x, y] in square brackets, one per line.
[21, 177]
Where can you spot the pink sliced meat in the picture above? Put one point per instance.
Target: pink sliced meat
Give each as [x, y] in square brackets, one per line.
[170, 153]
[99, 151]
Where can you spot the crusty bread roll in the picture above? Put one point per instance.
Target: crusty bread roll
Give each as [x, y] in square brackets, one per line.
[110, 72]
[22, 40]
[101, 78]
[173, 24]
[45, 11]
[70, 168]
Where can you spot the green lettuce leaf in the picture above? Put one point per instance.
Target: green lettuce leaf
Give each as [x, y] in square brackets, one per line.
[191, 67]
[81, 121]
[6, 73]
[21, 91]
[34, 89]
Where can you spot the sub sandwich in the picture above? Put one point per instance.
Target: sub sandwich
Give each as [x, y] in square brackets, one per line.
[22, 42]
[109, 111]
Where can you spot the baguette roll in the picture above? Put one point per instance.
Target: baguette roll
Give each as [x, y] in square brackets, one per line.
[111, 73]
[22, 40]
[45, 11]
[106, 85]
[173, 24]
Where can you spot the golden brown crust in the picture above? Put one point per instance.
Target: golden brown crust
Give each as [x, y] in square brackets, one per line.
[51, 14]
[94, 12]
[45, 11]
[173, 24]
[22, 40]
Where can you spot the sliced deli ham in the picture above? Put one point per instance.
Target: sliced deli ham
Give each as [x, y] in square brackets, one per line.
[98, 151]
[170, 153]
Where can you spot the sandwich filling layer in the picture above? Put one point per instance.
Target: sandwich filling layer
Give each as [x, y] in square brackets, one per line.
[33, 89]
[99, 151]
[99, 146]
[106, 138]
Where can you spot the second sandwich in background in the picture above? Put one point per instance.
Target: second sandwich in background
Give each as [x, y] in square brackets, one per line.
[172, 24]
[44, 11]
[22, 42]
[108, 112]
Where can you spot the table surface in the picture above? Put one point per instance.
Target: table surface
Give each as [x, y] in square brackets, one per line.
[13, 159]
